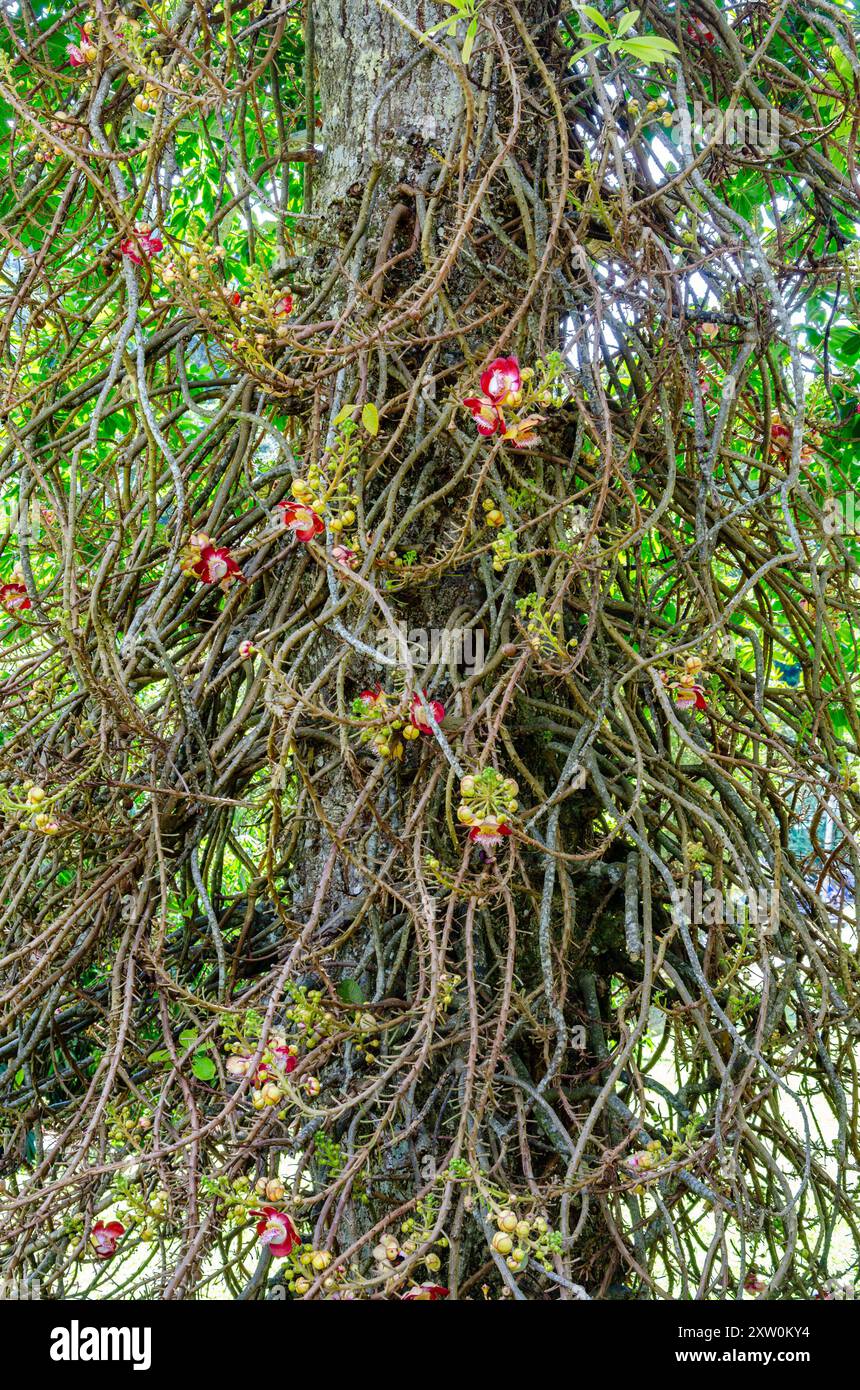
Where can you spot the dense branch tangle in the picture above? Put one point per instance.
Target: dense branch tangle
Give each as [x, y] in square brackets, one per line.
[216, 860]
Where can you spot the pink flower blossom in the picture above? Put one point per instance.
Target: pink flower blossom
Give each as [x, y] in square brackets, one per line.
[486, 414]
[344, 556]
[501, 380]
[104, 1238]
[689, 696]
[283, 307]
[754, 1283]
[418, 718]
[424, 1293]
[83, 52]
[303, 521]
[276, 1230]
[142, 245]
[13, 594]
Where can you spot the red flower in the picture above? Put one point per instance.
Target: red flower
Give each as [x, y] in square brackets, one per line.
[104, 1237]
[142, 245]
[418, 718]
[283, 307]
[501, 380]
[13, 594]
[276, 1230]
[687, 696]
[424, 1293]
[780, 436]
[754, 1283]
[211, 564]
[84, 52]
[489, 831]
[699, 32]
[303, 521]
[284, 1059]
[486, 414]
[371, 698]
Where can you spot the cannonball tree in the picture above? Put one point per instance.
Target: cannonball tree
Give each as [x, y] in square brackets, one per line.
[428, 649]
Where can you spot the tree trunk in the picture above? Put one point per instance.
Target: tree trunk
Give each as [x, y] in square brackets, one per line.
[402, 212]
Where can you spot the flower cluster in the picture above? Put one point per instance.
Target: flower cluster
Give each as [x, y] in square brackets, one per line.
[502, 389]
[278, 1061]
[518, 1239]
[492, 514]
[202, 559]
[301, 516]
[646, 1160]
[781, 436]
[488, 800]
[84, 52]
[143, 244]
[504, 549]
[315, 499]
[510, 396]
[686, 683]
[42, 820]
[415, 1232]
[543, 628]
[390, 728]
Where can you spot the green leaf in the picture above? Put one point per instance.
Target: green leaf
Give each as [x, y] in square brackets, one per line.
[370, 418]
[350, 992]
[650, 49]
[469, 41]
[626, 22]
[596, 18]
[203, 1067]
[346, 410]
